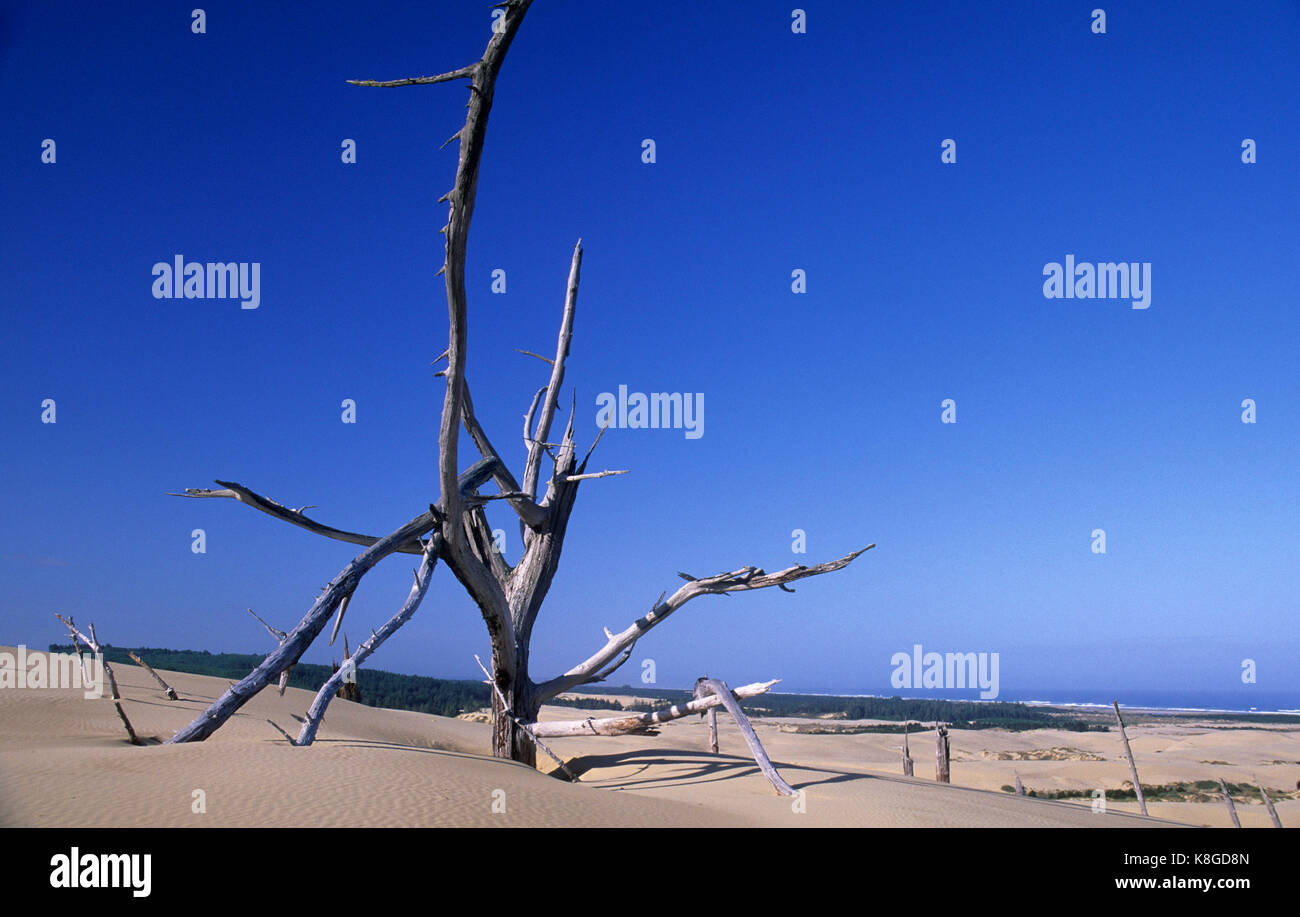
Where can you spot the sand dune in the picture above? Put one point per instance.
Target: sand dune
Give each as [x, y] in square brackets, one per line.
[65, 761]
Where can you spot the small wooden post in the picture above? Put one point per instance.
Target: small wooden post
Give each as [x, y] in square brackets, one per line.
[1268, 804]
[941, 772]
[1227, 799]
[1020, 788]
[1132, 765]
[702, 690]
[907, 755]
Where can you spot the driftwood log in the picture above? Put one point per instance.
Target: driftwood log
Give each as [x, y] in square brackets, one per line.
[641, 723]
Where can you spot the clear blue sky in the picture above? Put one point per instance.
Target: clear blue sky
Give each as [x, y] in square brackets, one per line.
[775, 152]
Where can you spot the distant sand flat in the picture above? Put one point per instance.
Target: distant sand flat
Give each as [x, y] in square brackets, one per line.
[65, 761]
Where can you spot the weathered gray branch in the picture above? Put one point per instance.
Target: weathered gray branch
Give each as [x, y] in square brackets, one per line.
[279, 637]
[641, 723]
[236, 491]
[301, 637]
[764, 763]
[462, 73]
[307, 734]
[168, 689]
[551, 399]
[93, 642]
[745, 578]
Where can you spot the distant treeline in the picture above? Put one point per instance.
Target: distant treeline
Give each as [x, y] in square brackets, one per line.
[378, 688]
[449, 697]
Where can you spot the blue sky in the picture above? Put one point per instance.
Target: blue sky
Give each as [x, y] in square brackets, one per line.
[775, 152]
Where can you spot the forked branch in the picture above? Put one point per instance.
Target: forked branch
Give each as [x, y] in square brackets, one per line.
[745, 578]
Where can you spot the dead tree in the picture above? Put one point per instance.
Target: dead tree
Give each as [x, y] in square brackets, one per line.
[508, 597]
[908, 764]
[1132, 764]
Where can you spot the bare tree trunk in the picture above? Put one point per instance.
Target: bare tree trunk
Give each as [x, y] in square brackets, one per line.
[1132, 765]
[1227, 800]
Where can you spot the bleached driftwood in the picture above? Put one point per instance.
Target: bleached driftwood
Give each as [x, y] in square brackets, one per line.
[746, 578]
[297, 641]
[641, 723]
[168, 689]
[764, 763]
[92, 641]
[1132, 765]
[310, 725]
